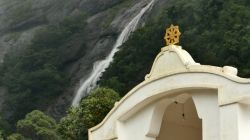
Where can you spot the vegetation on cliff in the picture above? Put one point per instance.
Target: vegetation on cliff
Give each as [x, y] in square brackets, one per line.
[35, 75]
[214, 32]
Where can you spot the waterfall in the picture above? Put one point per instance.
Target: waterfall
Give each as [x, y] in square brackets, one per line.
[100, 66]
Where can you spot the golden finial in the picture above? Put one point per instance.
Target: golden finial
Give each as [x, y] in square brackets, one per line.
[172, 35]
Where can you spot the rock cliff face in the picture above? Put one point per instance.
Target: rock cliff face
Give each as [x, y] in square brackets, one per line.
[19, 20]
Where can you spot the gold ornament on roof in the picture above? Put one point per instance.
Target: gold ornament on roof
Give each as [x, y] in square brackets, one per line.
[172, 35]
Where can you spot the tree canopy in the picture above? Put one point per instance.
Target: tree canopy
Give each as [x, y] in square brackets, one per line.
[34, 76]
[38, 126]
[91, 111]
[214, 32]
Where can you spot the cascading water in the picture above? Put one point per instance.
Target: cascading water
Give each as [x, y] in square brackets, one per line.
[100, 66]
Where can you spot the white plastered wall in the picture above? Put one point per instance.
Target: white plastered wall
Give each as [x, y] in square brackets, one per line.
[235, 121]
[146, 124]
[174, 71]
[206, 102]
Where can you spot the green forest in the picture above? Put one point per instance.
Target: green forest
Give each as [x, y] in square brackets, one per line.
[35, 75]
[214, 32]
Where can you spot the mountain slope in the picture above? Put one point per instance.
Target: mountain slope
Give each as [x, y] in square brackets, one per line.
[214, 32]
[32, 27]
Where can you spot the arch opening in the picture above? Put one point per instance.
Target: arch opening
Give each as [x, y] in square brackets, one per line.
[181, 122]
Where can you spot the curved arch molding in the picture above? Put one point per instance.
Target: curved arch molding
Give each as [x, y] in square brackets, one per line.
[176, 76]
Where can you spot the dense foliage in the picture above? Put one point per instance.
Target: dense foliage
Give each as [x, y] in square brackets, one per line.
[91, 111]
[74, 126]
[38, 126]
[215, 32]
[35, 75]
[17, 136]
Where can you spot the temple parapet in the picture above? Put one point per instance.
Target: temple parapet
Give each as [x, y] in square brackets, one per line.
[181, 99]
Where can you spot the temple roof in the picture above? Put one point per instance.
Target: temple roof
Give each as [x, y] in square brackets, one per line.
[173, 59]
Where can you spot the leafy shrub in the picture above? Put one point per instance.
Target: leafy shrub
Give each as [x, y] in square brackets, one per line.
[38, 126]
[91, 111]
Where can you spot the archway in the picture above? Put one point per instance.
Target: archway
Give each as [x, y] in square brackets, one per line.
[147, 112]
[181, 122]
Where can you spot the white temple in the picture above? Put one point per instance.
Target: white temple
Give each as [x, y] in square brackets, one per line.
[181, 100]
